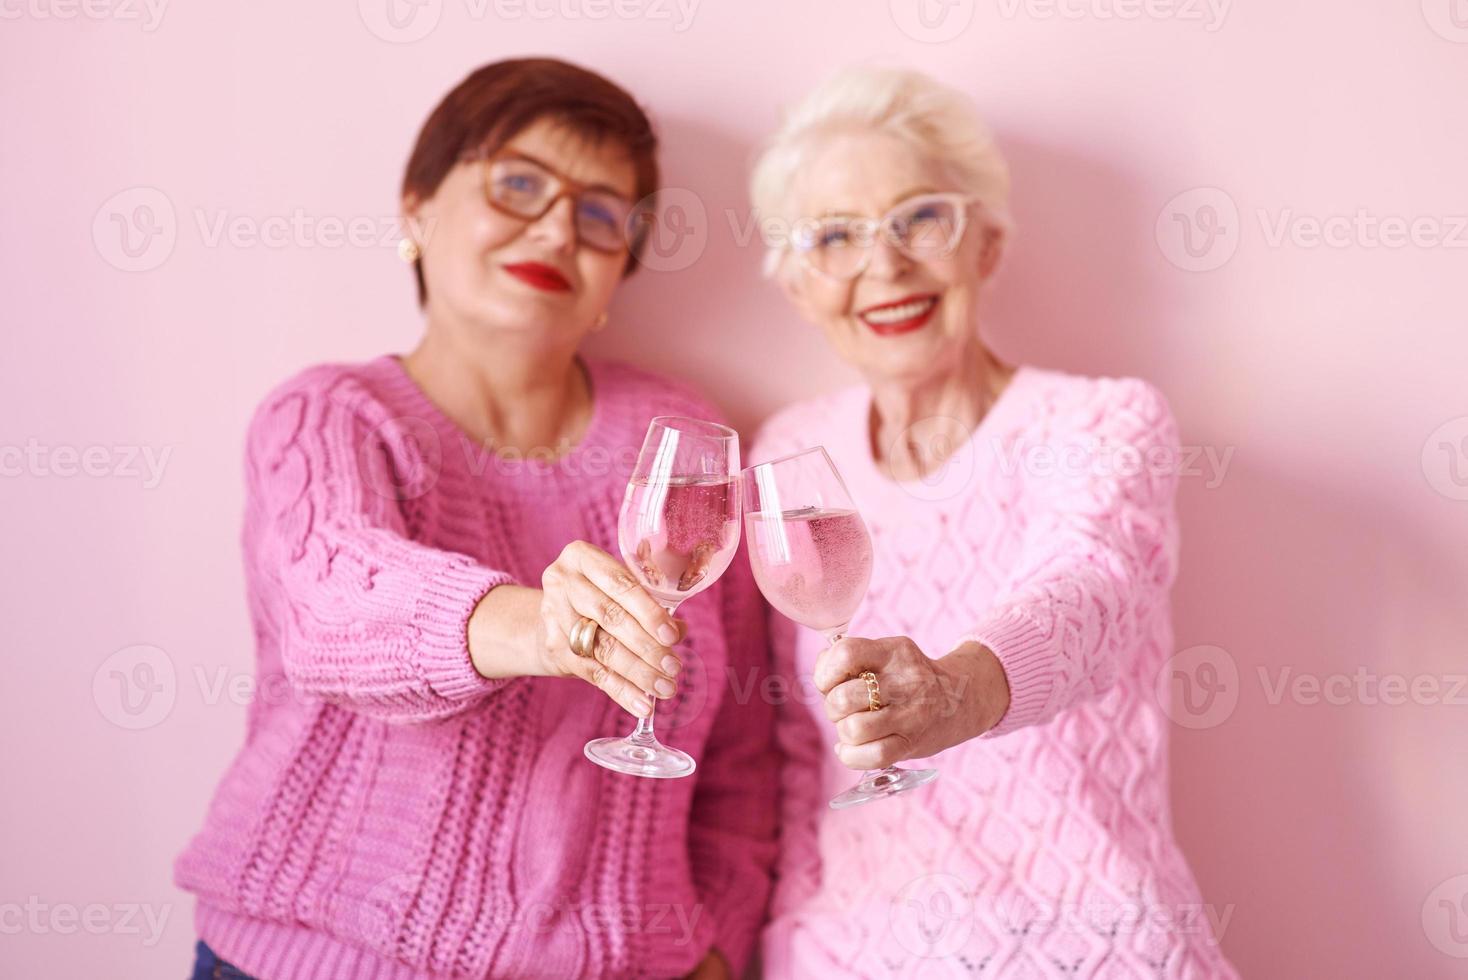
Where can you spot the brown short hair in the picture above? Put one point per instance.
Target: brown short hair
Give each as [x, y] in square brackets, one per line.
[487, 109]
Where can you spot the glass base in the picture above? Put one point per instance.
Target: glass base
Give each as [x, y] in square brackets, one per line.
[640, 756]
[882, 783]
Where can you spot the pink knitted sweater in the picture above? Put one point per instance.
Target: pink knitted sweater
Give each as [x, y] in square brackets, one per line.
[397, 814]
[1044, 848]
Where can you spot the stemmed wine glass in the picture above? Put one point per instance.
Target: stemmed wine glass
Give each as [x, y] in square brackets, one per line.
[812, 559]
[678, 531]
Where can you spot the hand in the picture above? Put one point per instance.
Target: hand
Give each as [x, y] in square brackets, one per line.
[927, 705]
[713, 967]
[633, 655]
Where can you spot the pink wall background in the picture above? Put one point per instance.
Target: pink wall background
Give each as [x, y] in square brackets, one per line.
[1331, 550]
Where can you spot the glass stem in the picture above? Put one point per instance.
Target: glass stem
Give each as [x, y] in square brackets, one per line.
[644, 725]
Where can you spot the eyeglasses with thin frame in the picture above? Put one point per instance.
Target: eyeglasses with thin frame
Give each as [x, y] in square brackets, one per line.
[923, 227]
[523, 187]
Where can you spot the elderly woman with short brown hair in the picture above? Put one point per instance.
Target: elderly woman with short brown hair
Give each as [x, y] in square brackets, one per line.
[428, 546]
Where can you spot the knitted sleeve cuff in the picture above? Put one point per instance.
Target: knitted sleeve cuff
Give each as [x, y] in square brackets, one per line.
[1027, 653]
[442, 620]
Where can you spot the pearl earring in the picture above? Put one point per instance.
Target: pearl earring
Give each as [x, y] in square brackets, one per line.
[408, 250]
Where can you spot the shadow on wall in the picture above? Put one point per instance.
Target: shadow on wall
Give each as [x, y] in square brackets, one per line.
[1296, 784]
[1077, 290]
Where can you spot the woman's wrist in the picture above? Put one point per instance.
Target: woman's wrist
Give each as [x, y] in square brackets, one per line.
[980, 688]
[504, 633]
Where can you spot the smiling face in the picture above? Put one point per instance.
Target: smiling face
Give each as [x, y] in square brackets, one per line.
[900, 318]
[491, 270]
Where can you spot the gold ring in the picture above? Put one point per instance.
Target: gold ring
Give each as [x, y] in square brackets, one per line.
[583, 637]
[874, 694]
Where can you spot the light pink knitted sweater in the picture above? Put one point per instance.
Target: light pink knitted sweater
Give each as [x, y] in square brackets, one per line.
[398, 815]
[1044, 849]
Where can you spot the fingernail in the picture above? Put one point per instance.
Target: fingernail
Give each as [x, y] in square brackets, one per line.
[664, 687]
[671, 666]
[667, 635]
[641, 708]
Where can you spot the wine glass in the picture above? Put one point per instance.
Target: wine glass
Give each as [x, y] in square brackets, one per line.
[812, 559]
[678, 531]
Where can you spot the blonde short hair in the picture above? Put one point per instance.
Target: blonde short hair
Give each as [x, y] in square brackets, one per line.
[935, 118]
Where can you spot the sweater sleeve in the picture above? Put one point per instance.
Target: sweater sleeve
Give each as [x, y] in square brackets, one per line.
[368, 618]
[1099, 553]
[732, 823]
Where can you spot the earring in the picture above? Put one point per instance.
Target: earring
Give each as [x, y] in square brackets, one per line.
[408, 250]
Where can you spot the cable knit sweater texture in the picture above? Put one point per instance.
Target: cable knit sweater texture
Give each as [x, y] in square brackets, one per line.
[1045, 847]
[399, 815]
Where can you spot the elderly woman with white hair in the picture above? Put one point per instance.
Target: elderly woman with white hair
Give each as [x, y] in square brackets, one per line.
[1025, 542]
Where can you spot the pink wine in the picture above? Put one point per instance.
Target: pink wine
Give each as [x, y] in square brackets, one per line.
[679, 536]
[813, 565]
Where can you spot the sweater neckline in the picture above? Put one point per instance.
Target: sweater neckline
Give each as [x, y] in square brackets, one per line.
[591, 456]
[955, 473]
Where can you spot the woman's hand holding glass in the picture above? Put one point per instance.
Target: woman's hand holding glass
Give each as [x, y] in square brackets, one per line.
[517, 631]
[632, 652]
[927, 705]
[677, 531]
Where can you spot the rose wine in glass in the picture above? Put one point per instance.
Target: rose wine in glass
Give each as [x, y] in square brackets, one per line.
[812, 558]
[678, 531]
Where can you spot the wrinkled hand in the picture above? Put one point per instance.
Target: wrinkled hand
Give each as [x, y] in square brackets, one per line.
[633, 651]
[927, 705]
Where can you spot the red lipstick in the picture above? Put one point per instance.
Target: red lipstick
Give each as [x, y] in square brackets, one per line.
[918, 308]
[539, 275]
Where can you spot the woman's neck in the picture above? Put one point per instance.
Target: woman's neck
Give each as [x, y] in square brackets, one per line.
[504, 394]
[915, 425]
